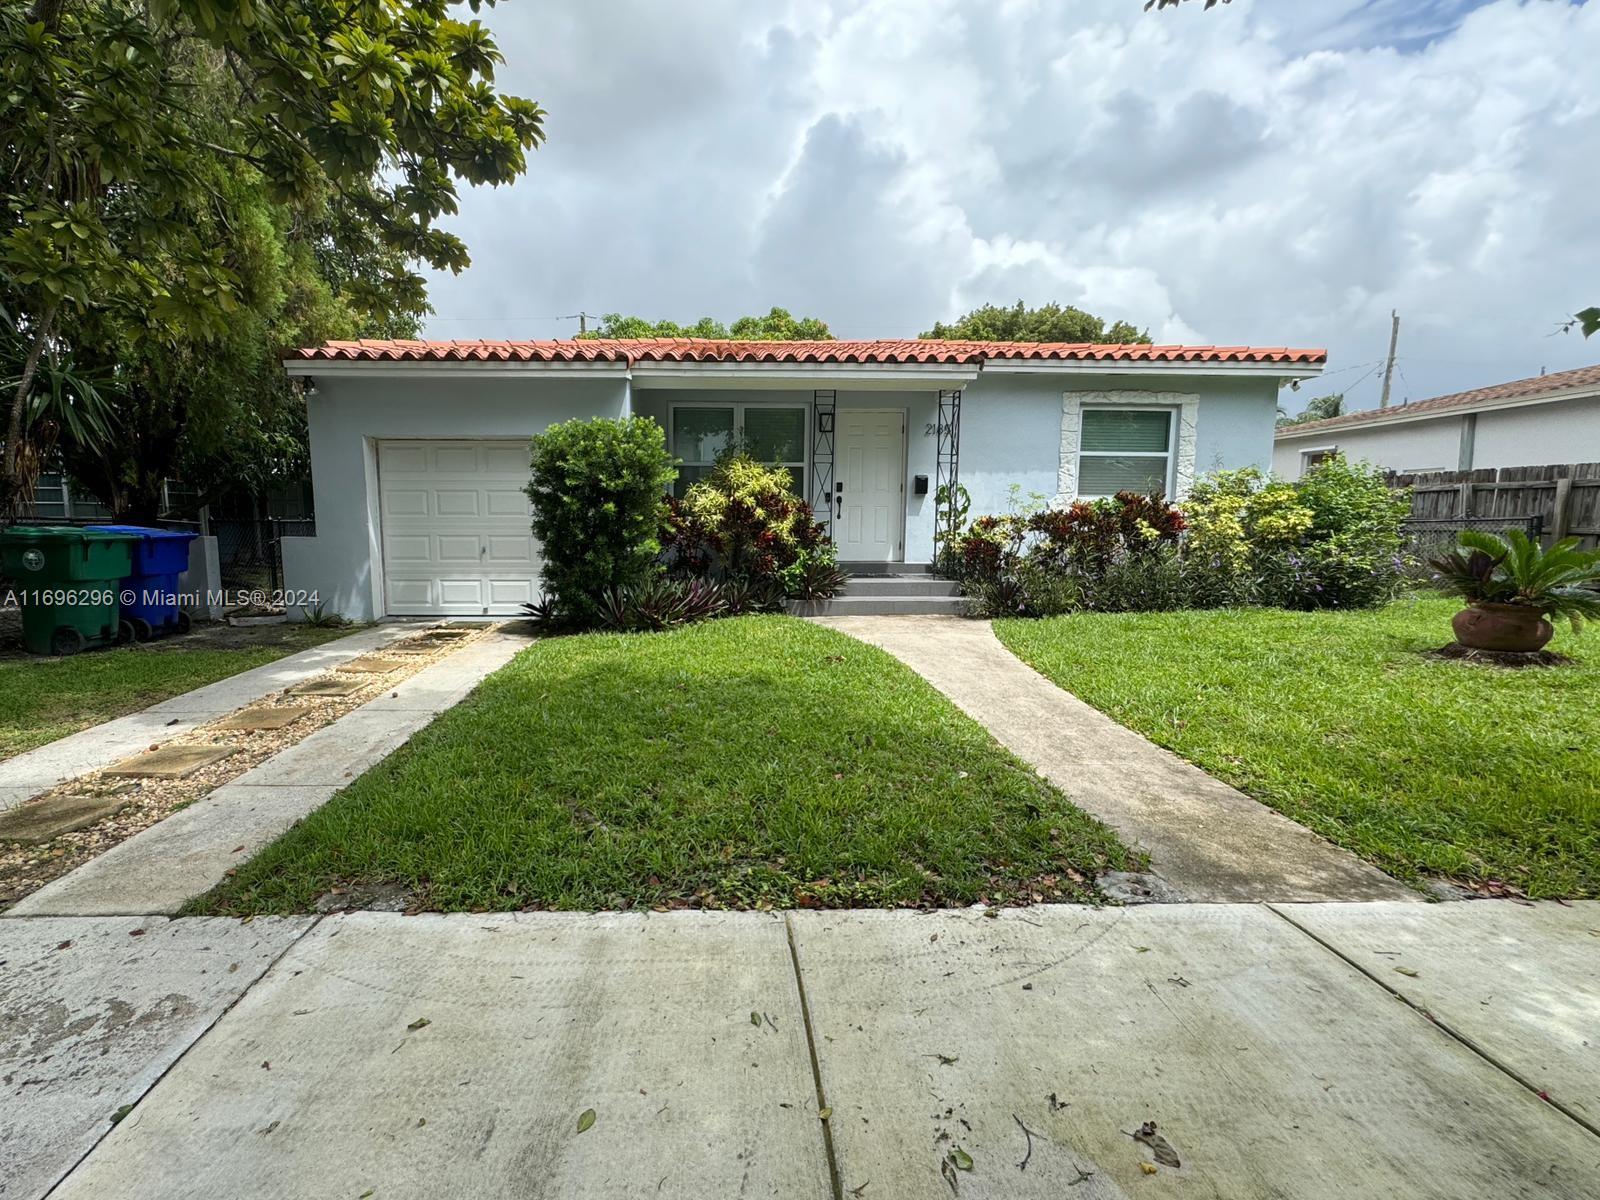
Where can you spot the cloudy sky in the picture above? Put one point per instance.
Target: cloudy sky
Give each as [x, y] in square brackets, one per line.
[1273, 172]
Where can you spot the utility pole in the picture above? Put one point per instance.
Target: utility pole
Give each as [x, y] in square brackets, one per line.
[1388, 370]
[582, 319]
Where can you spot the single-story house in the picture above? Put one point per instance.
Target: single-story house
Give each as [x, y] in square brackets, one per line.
[1536, 422]
[419, 449]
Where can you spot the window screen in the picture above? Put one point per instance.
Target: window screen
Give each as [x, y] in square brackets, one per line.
[1124, 450]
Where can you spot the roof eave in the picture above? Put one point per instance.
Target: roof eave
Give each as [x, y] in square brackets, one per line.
[390, 367]
[776, 374]
[1406, 414]
[1257, 370]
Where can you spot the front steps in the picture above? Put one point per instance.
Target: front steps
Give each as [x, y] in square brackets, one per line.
[882, 589]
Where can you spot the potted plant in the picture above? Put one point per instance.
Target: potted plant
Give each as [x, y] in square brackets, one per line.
[1512, 586]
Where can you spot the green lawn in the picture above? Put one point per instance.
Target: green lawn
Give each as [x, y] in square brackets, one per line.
[42, 699]
[1336, 719]
[747, 762]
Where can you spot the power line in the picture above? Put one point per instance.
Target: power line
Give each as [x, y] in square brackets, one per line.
[443, 319]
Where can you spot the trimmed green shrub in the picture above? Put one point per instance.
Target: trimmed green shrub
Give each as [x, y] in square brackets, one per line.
[598, 491]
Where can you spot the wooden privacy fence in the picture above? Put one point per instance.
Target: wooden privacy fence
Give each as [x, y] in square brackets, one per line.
[1567, 498]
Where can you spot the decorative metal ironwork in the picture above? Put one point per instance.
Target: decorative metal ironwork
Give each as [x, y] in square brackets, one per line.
[948, 476]
[824, 409]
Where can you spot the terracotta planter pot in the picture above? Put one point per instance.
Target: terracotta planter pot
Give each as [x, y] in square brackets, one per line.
[1512, 627]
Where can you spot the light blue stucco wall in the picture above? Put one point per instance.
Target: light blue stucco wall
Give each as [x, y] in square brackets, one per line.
[1236, 421]
[1011, 427]
[348, 416]
[1010, 435]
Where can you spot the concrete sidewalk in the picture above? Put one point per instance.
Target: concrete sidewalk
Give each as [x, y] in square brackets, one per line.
[1277, 1052]
[1207, 841]
[161, 868]
[28, 774]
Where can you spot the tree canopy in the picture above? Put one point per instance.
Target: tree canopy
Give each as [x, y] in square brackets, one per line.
[779, 325]
[1047, 323]
[149, 149]
[1318, 408]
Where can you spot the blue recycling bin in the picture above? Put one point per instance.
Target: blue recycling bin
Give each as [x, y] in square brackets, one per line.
[150, 593]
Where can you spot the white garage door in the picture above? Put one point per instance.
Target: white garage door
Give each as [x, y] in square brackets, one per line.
[456, 539]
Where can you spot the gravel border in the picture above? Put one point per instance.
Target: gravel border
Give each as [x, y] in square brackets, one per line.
[24, 869]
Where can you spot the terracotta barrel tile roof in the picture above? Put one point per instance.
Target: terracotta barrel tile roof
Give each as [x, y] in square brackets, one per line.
[645, 350]
[1520, 389]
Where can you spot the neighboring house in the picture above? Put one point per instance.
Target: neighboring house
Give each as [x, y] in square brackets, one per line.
[1536, 422]
[419, 449]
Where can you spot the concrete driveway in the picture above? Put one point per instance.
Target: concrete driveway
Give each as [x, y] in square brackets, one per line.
[1350, 1050]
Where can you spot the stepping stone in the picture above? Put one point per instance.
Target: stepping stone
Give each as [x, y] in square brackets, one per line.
[328, 685]
[370, 664]
[446, 634]
[413, 646]
[50, 818]
[170, 762]
[262, 716]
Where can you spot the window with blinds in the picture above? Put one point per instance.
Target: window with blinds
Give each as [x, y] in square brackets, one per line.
[770, 433]
[1125, 450]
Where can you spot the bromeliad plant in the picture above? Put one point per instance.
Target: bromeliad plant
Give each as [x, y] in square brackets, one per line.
[1512, 585]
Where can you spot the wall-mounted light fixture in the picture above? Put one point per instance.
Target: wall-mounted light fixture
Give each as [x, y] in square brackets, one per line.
[308, 386]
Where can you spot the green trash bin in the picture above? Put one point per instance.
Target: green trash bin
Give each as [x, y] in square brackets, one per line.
[66, 582]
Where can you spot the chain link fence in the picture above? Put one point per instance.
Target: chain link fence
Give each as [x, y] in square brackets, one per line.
[250, 552]
[1428, 539]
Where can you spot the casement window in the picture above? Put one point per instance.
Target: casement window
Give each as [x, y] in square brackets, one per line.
[1126, 450]
[1310, 458]
[774, 434]
[54, 500]
[50, 498]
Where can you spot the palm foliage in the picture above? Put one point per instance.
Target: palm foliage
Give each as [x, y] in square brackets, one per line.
[1489, 568]
[62, 402]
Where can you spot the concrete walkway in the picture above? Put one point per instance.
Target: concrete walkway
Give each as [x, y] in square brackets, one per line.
[1206, 840]
[1166, 1050]
[161, 868]
[27, 775]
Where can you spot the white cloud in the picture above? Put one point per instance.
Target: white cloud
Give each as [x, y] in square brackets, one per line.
[1271, 173]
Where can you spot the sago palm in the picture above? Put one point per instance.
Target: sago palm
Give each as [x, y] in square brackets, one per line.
[1514, 569]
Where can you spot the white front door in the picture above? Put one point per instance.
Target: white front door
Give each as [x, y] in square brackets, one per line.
[456, 528]
[870, 511]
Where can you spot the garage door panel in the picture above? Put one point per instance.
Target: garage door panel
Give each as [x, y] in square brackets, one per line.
[410, 593]
[458, 548]
[453, 503]
[409, 548]
[455, 521]
[405, 502]
[465, 592]
[505, 550]
[510, 591]
[461, 459]
[503, 502]
[506, 460]
[399, 459]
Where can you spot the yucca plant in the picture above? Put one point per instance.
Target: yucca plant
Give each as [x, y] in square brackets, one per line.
[659, 604]
[819, 579]
[544, 614]
[1514, 571]
[742, 597]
